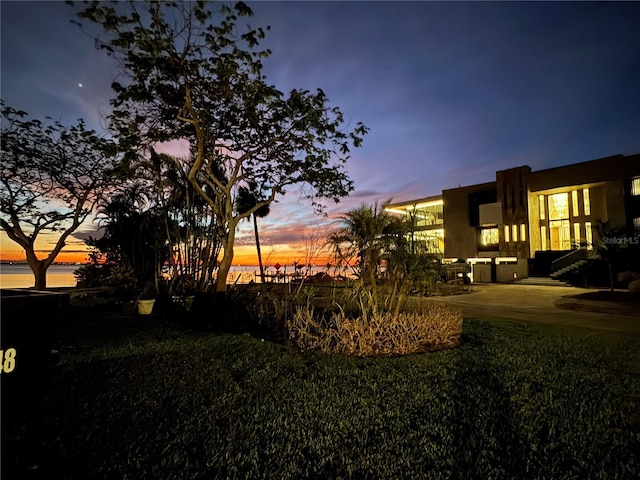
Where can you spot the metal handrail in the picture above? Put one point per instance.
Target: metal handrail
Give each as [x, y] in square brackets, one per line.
[569, 259]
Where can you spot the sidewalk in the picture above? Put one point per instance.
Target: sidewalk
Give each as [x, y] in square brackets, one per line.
[552, 305]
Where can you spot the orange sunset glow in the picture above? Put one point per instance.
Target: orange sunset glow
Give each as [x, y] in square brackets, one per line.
[77, 252]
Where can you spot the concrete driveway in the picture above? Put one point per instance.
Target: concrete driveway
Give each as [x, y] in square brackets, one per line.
[552, 305]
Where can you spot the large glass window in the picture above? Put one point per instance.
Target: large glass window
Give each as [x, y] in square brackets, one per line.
[559, 234]
[543, 237]
[635, 186]
[576, 233]
[574, 202]
[558, 206]
[589, 235]
[429, 241]
[587, 203]
[541, 206]
[429, 215]
[489, 236]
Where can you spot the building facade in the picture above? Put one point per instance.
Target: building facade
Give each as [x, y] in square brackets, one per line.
[516, 225]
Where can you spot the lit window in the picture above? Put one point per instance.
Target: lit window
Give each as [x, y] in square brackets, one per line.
[429, 241]
[587, 203]
[514, 230]
[506, 233]
[574, 202]
[635, 187]
[560, 236]
[587, 227]
[636, 224]
[576, 233]
[543, 237]
[558, 206]
[541, 206]
[523, 232]
[489, 236]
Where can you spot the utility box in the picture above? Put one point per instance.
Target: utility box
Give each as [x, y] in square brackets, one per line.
[27, 318]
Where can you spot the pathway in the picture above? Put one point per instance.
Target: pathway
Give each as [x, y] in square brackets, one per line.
[552, 305]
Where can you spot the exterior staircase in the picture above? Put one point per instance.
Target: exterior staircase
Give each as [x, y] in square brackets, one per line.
[543, 282]
[570, 262]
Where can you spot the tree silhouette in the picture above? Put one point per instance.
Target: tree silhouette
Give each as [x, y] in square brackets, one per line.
[189, 73]
[52, 176]
[606, 245]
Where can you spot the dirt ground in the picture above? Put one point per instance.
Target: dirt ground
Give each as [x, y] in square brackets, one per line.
[554, 305]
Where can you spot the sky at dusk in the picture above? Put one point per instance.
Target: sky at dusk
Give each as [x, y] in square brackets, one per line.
[451, 91]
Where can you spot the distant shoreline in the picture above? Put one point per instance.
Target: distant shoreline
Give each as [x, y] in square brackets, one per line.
[24, 262]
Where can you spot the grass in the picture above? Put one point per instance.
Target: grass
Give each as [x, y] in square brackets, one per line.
[145, 399]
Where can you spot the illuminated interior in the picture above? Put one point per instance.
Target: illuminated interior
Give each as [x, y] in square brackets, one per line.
[564, 219]
[427, 219]
[558, 206]
[489, 237]
[429, 241]
[422, 214]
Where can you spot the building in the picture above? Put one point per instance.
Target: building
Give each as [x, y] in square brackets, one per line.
[520, 223]
[427, 219]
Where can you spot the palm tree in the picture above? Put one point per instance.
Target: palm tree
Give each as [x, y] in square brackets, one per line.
[247, 199]
[133, 234]
[606, 244]
[367, 234]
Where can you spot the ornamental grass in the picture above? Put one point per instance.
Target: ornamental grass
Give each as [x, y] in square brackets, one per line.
[434, 327]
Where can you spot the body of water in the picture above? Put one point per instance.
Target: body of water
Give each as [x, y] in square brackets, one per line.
[19, 275]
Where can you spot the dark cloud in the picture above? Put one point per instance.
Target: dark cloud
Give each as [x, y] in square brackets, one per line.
[85, 234]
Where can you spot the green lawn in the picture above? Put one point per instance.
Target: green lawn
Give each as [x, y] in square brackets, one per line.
[514, 401]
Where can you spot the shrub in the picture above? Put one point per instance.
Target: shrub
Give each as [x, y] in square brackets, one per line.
[436, 326]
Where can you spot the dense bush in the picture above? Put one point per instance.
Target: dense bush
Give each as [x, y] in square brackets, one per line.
[436, 326]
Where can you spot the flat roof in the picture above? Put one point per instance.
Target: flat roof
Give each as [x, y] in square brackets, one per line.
[433, 198]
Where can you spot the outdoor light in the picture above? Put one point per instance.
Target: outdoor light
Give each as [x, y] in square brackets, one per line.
[500, 260]
[395, 210]
[450, 260]
[474, 260]
[433, 203]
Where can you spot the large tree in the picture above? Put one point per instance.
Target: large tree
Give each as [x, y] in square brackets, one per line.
[52, 177]
[188, 73]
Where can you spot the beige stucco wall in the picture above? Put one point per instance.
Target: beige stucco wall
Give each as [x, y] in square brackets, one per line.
[504, 272]
[459, 236]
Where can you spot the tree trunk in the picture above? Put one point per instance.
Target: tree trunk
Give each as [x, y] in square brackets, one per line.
[227, 258]
[39, 269]
[255, 229]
